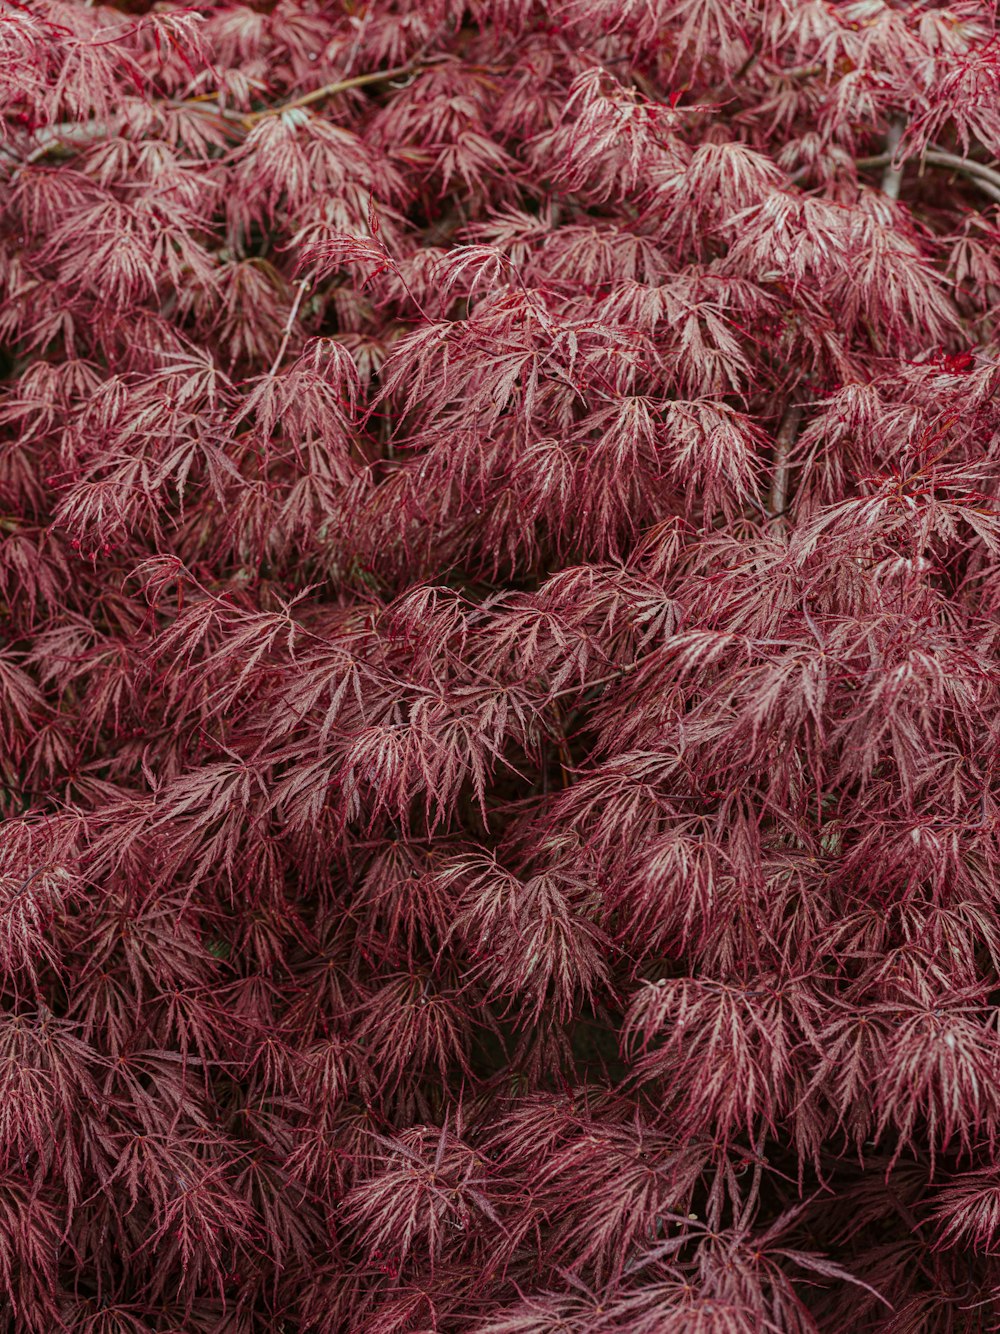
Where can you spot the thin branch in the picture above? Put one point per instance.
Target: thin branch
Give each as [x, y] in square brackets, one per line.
[50, 137]
[287, 331]
[753, 1195]
[799, 71]
[986, 178]
[602, 680]
[892, 178]
[784, 441]
[80, 134]
[331, 90]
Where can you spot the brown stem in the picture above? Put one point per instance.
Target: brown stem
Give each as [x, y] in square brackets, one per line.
[986, 178]
[331, 89]
[289, 324]
[80, 134]
[562, 745]
[784, 441]
[892, 177]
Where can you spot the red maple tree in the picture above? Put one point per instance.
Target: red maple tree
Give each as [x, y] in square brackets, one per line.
[499, 693]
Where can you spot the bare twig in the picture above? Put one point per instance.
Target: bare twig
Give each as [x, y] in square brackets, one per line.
[50, 137]
[892, 178]
[784, 441]
[753, 1195]
[798, 71]
[79, 134]
[331, 90]
[289, 323]
[985, 177]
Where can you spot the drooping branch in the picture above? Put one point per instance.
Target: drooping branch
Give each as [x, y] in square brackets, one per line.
[986, 178]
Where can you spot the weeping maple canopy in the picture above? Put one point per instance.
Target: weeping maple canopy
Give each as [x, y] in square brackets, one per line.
[499, 696]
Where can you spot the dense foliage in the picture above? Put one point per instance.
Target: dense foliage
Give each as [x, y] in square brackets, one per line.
[498, 667]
